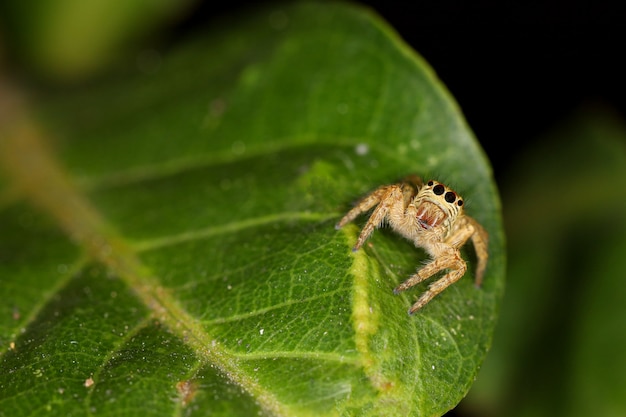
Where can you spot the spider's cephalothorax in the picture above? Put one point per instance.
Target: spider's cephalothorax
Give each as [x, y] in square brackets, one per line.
[431, 216]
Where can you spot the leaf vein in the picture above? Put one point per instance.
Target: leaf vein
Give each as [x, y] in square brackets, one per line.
[232, 227]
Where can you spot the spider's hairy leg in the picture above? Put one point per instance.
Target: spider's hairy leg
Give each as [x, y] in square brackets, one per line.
[451, 260]
[466, 228]
[480, 240]
[362, 206]
[457, 270]
[391, 200]
[414, 181]
[387, 198]
[410, 187]
[437, 264]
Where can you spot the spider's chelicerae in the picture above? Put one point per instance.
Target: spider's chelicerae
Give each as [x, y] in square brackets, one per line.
[431, 216]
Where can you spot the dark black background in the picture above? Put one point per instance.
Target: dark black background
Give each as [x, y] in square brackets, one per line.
[516, 68]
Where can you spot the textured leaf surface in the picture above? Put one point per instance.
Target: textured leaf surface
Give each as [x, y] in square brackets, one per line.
[168, 244]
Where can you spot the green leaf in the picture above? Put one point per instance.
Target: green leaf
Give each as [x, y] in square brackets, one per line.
[168, 243]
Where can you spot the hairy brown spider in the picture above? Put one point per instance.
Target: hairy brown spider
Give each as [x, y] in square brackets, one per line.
[431, 216]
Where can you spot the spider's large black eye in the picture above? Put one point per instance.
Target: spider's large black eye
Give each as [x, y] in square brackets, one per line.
[450, 197]
[438, 189]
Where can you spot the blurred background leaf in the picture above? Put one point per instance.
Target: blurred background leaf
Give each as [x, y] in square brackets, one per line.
[559, 342]
[68, 40]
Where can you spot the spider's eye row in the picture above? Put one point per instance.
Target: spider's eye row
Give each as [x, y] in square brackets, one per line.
[438, 189]
[450, 197]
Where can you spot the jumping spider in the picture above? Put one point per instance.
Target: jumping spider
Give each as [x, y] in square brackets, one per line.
[431, 216]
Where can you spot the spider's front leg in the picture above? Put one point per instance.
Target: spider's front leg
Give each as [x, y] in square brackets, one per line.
[388, 198]
[446, 255]
[450, 260]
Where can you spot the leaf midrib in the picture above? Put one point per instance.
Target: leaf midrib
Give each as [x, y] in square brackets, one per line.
[42, 181]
